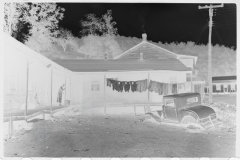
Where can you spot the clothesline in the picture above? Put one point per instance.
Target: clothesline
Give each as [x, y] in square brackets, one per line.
[142, 86]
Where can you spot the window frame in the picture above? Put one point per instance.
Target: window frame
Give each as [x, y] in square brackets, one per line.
[196, 100]
[167, 106]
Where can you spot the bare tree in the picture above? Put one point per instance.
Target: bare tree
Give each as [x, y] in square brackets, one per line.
[98, 26]
[65, 38]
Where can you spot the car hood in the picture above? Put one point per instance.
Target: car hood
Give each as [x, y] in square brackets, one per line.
[201, 111]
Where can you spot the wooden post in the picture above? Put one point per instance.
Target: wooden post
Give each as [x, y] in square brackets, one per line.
[65, 90]
[10, 131]
[26, 100]
[51, 87]
[148, 106]
[191, 82]
[105, 109]
[135, 111]
[148, 90]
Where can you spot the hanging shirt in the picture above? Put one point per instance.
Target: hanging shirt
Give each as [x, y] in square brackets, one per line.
[133, 86]
[127, 86]
[120, 86]
[109, 84]
[114, 85]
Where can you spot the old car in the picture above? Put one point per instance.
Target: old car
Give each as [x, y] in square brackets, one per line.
[187, 109]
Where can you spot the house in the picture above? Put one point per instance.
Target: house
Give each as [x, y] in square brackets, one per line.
[31, 77]
[143, 61]
[224, 85]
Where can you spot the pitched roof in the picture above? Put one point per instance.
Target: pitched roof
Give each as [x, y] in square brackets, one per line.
[151, 51]
[122, 65]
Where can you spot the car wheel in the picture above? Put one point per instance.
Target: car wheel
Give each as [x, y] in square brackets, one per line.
[190, 122]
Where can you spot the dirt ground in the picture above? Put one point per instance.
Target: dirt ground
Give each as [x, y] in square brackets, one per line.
[93, 134]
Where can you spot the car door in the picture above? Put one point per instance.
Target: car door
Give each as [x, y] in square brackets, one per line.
[170, 110]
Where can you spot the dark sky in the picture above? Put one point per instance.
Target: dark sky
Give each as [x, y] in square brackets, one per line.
[174, 22]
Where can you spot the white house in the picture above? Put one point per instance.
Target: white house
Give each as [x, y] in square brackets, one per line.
[28, 74]
[31, 77]
[143, 61]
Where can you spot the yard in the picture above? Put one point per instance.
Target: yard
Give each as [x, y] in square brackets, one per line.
[90, 133]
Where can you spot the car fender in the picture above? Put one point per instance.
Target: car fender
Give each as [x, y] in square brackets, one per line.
[201, 111]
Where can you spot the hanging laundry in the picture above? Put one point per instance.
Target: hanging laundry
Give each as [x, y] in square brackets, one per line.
[174, 88]
[150, 88]
[109, 84]
[120, 86]
[127, 86]
[153, 86]
[133, 86]
[181, 87]
[165, 88]
[156, 87]
[115, 85]
[169, 89]
[142, 85]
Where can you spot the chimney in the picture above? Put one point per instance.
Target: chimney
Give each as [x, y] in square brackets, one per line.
[144, 37]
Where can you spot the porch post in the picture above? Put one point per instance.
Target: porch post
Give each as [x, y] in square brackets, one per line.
[105, 109]
[51, 87]
[191, 82]
[148, 105]
[148, 90]
[65, 89]
[26, 100]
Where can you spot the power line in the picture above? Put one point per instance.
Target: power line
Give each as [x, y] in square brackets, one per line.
[229, 27]
[192, 32]
[218, 35]
[199, 35]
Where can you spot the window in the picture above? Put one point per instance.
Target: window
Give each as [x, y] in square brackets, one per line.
[192, 100]
[95, 87]
[169, 103]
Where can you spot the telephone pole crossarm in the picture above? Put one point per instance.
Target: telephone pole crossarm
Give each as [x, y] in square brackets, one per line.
[208, 7]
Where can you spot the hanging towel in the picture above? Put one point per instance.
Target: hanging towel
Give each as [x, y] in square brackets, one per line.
[160, 88]
[165, 88]
[142, 85]
[174, 88]
[150, 88]
[153, 86]
[169, 89]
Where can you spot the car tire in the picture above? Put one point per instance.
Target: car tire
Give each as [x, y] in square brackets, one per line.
[188, 121]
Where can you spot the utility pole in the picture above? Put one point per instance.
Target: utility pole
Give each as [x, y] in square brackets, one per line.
[210, 7]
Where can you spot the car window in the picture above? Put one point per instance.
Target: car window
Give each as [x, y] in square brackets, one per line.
[192, 100]
[169, 103]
